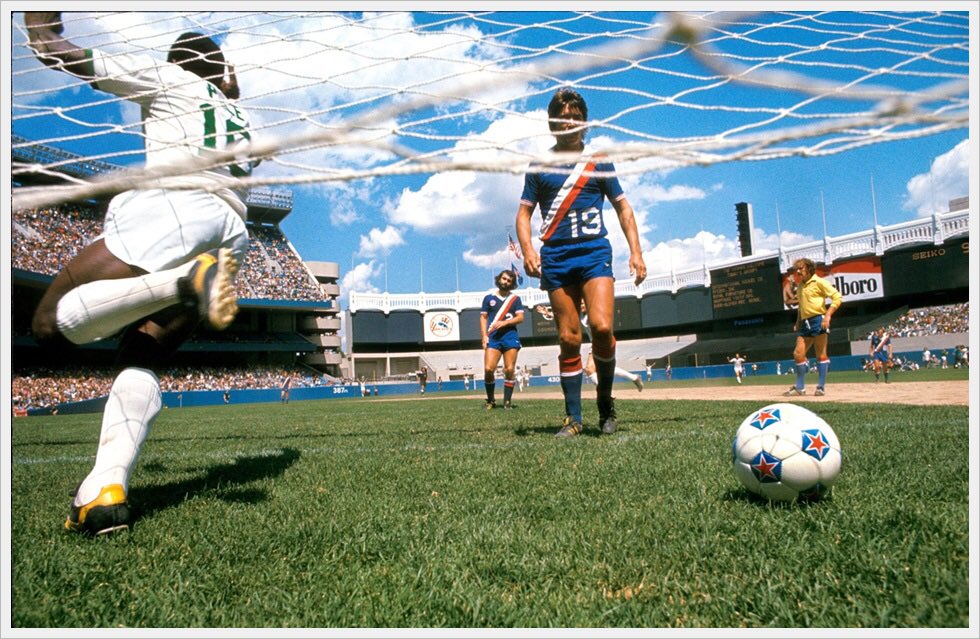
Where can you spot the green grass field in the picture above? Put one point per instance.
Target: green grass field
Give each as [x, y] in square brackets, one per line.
[435, 513]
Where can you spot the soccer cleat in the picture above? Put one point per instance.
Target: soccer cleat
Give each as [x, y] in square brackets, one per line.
[508, 406]
[490, 405]
[819, 392]
[106, 514]
[607, 416]
[638, 383]
[569, 428]
[794, 392]
[209, 287]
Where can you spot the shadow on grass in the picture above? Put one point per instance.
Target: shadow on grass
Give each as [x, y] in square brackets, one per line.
[225, 480]
[745, 495]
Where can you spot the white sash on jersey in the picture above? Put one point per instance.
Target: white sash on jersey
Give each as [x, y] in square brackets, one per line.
[503, 310]
[884, 338]
[566, 196]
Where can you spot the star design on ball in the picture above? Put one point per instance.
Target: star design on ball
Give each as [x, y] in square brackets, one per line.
[764, 418]
[815, 444]
[766, 468]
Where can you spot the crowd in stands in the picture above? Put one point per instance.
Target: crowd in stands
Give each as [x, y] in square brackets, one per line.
[45, 239]
[931, 320]
[41, 388]
[272, 270]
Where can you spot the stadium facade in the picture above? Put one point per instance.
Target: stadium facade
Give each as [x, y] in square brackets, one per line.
[692, 318]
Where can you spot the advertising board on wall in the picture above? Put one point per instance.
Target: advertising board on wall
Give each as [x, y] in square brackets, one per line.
[857, 279]
[441, 326]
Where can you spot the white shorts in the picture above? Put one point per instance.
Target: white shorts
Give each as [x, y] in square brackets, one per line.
[156, 229]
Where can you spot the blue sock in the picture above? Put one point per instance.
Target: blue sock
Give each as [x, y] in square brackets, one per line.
[571, 388]
[508, 390]
[605, 370]
[801, 374]
[822, 372]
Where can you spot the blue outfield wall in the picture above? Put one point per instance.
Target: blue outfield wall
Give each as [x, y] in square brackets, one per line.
[188, 399]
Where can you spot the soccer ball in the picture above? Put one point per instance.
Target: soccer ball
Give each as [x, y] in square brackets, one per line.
[785, 452]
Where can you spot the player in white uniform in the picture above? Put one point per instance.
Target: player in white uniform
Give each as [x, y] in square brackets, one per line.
[737, 362]
[167, 258]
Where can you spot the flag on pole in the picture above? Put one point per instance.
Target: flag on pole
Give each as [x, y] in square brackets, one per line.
[514, 248]
[517, 274]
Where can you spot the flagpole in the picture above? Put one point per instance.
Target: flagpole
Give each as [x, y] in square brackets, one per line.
[823, 214]
[874, 203]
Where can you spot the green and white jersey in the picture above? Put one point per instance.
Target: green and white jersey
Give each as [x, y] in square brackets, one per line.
[183, 116]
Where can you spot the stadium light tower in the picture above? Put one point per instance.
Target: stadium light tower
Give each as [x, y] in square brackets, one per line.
[743, 218]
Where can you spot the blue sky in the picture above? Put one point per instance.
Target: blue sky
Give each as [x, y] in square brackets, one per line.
[440, 230]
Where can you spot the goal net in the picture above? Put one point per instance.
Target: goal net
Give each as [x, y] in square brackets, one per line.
[341, 97]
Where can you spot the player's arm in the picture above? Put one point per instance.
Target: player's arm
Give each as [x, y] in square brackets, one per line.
[835, 302]
[229, 85]
[44, 37]
[483, 329]
[627, 221]
[532, 261]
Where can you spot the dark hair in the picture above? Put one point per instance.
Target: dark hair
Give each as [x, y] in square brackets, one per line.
[560, 99]
[513, 280]
[199, 54]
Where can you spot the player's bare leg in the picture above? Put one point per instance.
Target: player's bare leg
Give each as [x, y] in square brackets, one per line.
[565, 303]
[599, 298]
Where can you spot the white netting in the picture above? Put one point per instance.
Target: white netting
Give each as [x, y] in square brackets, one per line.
[341, 97]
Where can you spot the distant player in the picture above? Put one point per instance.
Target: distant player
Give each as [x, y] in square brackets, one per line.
[284, 391]
[880, 350]
[737, 364]
[167, 258]
[590, 361]
[812, 324]
[499, 316]
[575, 262]
[423, 377]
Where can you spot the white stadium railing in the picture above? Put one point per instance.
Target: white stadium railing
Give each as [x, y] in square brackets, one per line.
[935, 229]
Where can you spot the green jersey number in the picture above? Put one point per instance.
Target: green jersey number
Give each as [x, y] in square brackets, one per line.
[235, 130]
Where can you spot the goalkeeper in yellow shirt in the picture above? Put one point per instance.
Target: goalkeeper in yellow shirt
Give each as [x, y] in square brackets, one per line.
[812, 324]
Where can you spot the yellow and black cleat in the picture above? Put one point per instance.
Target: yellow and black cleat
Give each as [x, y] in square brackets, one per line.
[106, 514]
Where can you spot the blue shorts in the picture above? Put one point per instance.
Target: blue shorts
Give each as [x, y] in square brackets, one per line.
[575, 263]
[811, 327]
[881, 356]
[506, 342]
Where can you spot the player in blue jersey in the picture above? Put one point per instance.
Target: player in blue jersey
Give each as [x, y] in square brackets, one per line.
[880, 351]
[167, 257]
[499, 316]
[575, 262]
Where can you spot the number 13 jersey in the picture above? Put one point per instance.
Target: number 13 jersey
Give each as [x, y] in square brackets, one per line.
[571, 201]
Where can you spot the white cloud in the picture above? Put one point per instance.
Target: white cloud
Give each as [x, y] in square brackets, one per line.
[494, 260]
[380, 242]
[478, 205]
[947, 178]
[359, 278]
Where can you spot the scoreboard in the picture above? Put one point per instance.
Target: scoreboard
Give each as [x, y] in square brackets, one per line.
[754, 288]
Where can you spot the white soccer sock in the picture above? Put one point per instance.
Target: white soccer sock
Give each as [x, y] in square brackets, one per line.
[96, 310]
[134, 402]
[622, 372]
